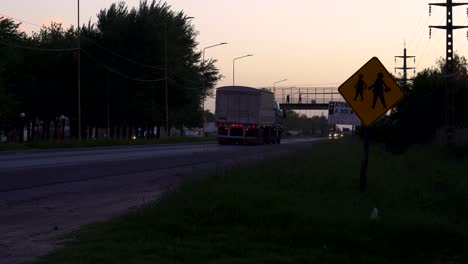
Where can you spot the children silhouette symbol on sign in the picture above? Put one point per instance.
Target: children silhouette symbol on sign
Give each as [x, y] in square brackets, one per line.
[379, 87]
[360, 86]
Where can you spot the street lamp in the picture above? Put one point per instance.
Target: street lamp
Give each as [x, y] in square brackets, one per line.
[276, 83]
[233, 66]
[203, 80]
[79, 74]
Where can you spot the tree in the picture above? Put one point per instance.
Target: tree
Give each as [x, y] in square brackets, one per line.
[139, 37]
[209, 117]
[309, 125]
[421, 112]
[9, 57]
[123, 69]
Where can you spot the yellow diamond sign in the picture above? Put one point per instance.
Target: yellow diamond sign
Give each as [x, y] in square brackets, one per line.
[371, 92]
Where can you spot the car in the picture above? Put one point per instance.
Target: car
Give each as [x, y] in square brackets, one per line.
[293, 133]
[335, 135]
[191, 133]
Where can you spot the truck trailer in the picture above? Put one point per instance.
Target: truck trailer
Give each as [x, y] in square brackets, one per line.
[246, 115]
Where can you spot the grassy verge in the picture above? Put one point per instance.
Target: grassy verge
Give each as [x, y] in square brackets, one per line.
[302, 136]
[98, 143]
[302, 209]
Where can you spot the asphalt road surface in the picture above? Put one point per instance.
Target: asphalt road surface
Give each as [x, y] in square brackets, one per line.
[45, 194]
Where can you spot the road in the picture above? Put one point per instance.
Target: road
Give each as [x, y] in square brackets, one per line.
[46, 194]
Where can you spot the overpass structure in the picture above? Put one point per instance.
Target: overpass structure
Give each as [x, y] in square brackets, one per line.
[306, 98]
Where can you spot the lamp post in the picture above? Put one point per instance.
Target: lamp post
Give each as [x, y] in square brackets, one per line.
[233, 67]
[165, 79]
[203, 81]
[79, 74]
[276, 83]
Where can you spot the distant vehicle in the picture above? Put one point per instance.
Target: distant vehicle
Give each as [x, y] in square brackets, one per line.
[347, 131]
[247, 115]
[333, 134]
[191, 133]
[293, 133]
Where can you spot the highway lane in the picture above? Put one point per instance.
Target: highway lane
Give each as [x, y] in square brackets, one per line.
[44, 194]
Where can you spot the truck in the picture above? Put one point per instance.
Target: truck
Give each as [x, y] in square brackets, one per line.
[247, 115]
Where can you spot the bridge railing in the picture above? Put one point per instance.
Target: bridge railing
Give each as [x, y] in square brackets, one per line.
[307, 95]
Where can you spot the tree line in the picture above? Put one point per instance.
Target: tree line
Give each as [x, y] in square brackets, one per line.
[421, 113]
[315, 125]
[126, 56]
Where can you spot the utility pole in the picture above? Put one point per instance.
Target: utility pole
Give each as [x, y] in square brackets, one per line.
[449, 66]
[405, 68]
[108, 84]
[79, 74]
[166, 84]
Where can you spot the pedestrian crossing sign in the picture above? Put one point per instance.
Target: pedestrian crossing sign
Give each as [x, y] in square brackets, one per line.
[371, 92]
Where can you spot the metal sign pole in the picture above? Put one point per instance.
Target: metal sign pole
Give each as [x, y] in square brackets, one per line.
[386, 94]
[365, 160]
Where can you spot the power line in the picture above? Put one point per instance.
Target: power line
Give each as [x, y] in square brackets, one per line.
[9, 44]
[419, 33]
[453, 74]
[123, 57]
[321, 86]
[20, 20]
[466, 42]
[423, 52]
[187, 80]
[118, 72]
[95, 43]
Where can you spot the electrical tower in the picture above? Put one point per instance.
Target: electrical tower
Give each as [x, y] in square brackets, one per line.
[405, 68]
[449, 66]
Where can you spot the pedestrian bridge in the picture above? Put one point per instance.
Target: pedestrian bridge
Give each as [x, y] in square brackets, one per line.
[306, 98]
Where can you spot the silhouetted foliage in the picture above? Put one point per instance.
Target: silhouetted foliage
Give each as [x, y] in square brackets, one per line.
[9, 58]
[308, 125]
[123, 69]
[422, 111]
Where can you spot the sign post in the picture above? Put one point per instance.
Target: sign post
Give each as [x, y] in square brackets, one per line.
[365, 160]
[370, 92]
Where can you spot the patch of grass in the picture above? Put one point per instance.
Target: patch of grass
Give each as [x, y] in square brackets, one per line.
[98, 143]
[302, 209]
[302, 136]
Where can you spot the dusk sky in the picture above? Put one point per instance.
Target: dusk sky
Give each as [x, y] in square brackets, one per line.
[309, 42]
